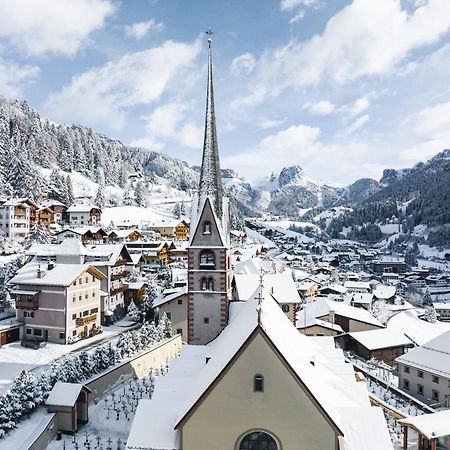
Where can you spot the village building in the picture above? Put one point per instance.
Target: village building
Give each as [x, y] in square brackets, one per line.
[58, 210]
[58, 301]
[260, 384]
[389, 264]
[171, 228]
[175, 306]
[155, 253]
[125, 235]
[442, 311]
[424, 372]
[87, 235]
[384, 344]
[15, 219]
[347, 317]
[84, 215]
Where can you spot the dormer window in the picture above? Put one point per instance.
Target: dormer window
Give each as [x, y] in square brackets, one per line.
[206, 227]
[207, 259]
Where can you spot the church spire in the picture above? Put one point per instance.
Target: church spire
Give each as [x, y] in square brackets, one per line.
[210, 180]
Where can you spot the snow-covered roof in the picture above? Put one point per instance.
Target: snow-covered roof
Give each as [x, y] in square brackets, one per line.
[357, 285]
[162, 299]
[189, 379]
[363, 298]
[433, 356]
[280, 285]
[125, 232]
[441, 305]
[60, 275]
[382, 338]
[81, 208]
[432, 426]
[322, 306]
[64, 394]
[335, 287]
[384, 292]
[311, 322]
[252, 266]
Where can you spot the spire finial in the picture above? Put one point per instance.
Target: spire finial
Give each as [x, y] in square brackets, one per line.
[259, 308]
[209, 33]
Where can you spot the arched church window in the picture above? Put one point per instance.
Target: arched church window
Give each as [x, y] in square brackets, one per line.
[207, 259]
[204, 283]
[258, 383]
[210, 284]
[258, 440]
[206, 227]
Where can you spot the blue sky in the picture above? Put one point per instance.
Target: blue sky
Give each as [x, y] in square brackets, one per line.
[342, 88]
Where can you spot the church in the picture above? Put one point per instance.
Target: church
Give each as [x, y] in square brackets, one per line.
[252, 382]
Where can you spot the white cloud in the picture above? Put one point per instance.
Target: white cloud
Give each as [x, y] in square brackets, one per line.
[140, 29]
[297, 18]
[270, 123]
[243, 64]
[256, 96]
[41, 27]
[103, 95]
[13, 76]
[191, 136]
[357, 124]
[358, 106]
[148, 143]
[300, 144]
[431, 126]
[365, 38]
[165, 119]
[321, 108]
[289, 5]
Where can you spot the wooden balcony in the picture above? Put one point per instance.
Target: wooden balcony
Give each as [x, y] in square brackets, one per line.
[118, 276]
[80, 321]
[26, 301]
[118, 290]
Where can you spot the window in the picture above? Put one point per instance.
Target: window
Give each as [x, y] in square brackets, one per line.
[169, 315]
[207, 258]
[74, 316]
[206, 228]
[258, 440]
[80, 280]
[210, 284]
[74, 332]
[406, 384]
[420, 374]
[258, 383]
[285, 308]
[38, 332]
[420, 389]
[435, 395]
[93, 294]
[62, 335]
[435, 379]
[204, 284]
[74, 298]
[28, 314]
[206, 320]
[87, 280]
[93, 279]
[406, 369]
[94, 311]
[86, 296]
[79, 298]
[180, 302]
[85, 313]
[180, 331]
[28, 331]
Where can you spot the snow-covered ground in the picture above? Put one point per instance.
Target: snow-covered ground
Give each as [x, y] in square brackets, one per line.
[287, 223]
[390, 228]
[134, 215]
[14, 358]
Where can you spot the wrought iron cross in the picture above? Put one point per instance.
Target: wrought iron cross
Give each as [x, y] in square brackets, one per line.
[209, 33]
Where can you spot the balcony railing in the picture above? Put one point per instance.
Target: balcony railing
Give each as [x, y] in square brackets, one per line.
[80, 321]
[118, 290]
[22, 302]
[118, 276]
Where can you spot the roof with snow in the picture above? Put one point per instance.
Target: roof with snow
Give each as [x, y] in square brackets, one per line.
[190, 378]
[61, 274]
[433, 356]
[82, 208]
[432, 426]
[322, 307]
[384, 292]
[64, 394]
[280, 285]
[162, 299]
[382, 338]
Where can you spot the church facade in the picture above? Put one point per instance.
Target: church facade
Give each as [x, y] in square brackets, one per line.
[209, 262]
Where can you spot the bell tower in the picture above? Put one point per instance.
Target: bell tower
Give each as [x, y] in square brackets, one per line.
[209, 263]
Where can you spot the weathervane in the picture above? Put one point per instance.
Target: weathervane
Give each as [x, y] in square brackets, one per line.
[209, 33]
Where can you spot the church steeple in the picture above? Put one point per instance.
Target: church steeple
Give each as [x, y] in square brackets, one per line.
[210, 180]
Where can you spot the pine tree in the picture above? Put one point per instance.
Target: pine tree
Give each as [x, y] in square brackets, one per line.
[134, 313]
[23, 388]
[39, 234]
[41, 389]
[164, 327]
[128, 196]
[100, 198]
[147, 303]
[141, 199]
[69, 197]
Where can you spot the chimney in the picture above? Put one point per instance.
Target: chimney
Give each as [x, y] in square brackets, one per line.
[41, 272]
[50, 265]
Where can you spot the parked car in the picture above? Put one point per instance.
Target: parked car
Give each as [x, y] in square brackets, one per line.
[33, 342]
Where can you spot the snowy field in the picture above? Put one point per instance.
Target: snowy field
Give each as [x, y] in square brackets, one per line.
[14, 358]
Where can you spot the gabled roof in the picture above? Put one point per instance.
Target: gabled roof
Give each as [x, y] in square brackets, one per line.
[65, 394]
[82, 208]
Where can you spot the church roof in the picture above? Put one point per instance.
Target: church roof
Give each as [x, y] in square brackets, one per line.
[330, 381]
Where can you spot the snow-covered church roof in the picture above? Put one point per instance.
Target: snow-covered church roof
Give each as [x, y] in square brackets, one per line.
[189, 378]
